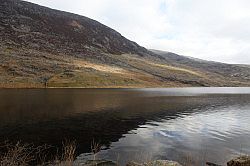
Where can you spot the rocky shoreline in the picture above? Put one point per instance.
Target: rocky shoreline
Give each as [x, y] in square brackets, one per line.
[26, 154]
[238, 161]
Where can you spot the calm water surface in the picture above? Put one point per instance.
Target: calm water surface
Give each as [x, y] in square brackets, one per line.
[198, 124]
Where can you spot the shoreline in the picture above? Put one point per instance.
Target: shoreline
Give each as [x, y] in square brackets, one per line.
[112, 87]
[27, 154]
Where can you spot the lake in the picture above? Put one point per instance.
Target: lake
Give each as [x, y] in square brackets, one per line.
[183, 124]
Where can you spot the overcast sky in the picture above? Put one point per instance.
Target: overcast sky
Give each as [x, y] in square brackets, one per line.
[216, 30]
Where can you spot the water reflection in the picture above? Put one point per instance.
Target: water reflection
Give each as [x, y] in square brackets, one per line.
[161, 124]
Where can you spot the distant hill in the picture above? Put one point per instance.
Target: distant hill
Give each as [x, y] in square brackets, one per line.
[227, 70]
[42, 47]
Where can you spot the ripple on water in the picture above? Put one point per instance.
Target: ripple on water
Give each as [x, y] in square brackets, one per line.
[167, 123]
[217, 129]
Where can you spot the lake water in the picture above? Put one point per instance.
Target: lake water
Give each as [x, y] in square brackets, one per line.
[185, 124]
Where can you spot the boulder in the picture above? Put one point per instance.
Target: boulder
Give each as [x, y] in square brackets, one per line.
[99, 163]
[240, 161]
[132, 163]
[212, 164]
[155, 163]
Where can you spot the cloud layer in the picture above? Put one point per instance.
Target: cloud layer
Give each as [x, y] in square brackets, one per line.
[217, 30]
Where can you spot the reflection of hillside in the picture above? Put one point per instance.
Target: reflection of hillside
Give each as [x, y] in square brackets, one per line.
[49, 116]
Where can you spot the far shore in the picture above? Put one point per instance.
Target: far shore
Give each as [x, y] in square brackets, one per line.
[123, 87]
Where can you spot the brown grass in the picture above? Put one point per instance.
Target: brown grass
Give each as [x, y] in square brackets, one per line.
[67, 157]
[21, 85]
[100, 67]
[95, 148]
[22, 154]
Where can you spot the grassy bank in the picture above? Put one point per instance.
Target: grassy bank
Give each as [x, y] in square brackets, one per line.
[21, 154]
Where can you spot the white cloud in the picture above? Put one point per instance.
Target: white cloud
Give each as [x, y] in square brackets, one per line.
[216, 30]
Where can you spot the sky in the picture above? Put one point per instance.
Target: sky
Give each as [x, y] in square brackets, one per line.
[217, 30]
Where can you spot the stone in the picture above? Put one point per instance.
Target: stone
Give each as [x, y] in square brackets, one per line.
[132, 163]
[156, 163]
[164, 163]
[240, 161]
[99, 163]
[212, 164]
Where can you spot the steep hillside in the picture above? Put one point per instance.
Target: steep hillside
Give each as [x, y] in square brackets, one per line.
[46, 29]
[42, 47]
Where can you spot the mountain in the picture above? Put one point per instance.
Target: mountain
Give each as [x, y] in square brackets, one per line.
[41, 47]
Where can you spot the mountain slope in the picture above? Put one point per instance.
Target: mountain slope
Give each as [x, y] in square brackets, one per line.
[45, 47]
[228, 70]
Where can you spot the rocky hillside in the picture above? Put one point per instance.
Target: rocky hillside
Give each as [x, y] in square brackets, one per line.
[45, 29]
[42, 47]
